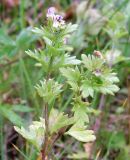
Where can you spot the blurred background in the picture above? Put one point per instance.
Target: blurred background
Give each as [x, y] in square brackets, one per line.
[104, 25]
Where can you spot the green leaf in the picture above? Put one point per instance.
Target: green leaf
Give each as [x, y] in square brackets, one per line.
[5, 39]
[81, 134]
[35, 133]
[91, 62]
[98, 77]
[48, 90]
[22, 108]
[70, 28]
[71, 74]
[71, 60]
[41, 57]
[58, 121]
[80, 113]
[87, 90]
[7, 44]
[7, 112]
[25, 39]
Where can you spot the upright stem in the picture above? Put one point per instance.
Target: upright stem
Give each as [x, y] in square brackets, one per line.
[45, 146]
[46, 115]
[128, 86]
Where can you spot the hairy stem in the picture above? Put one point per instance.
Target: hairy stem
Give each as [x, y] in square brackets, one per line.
[46, 115]
[45, 146]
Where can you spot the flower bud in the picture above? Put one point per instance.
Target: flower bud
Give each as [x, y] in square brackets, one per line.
[98, 54]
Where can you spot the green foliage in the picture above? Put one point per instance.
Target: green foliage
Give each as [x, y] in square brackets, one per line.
[35, 133]
[58, 120]
[99, 77]
[80, 112]
[102, 26]
[80, 133]
[11, 46]
[113, 139]
[9, 112]
[95, 76]
[84, 77]
[73, 77]
[48, 90]
[124, 153]
[54, 54]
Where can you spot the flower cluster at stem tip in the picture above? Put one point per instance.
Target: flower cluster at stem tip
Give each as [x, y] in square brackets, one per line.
[56, 19]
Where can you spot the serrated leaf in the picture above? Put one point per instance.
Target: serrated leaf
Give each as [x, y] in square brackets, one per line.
[48, 90]
[81, 134]
[70, 73]
[87, 90]
[72, 76]
[71, 60]
[91, 62]
[80, 113]
[59, 121]
[34, 134]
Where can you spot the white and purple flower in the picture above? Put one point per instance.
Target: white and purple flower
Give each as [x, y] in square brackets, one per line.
[57, 19]
[51, 12]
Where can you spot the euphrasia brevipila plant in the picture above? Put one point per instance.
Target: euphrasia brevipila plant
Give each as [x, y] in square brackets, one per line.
[82, 77]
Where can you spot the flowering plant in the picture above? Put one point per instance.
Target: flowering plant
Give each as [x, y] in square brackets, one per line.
[61, 70]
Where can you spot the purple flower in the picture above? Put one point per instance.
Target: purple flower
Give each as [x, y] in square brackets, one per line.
[57, 19]
[51, 12]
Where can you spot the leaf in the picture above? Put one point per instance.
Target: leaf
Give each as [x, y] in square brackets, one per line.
[71, 60]
[98, 77]
[80, 113]
[87, 90]
[25, 39]
[5, 39]
[71, 74]
[10, 115]
[70, 28]
[22, 108]
[91, 62]
[81, 134]
[34, 133]
[48, 90]
[59, 121]
[7, 44]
